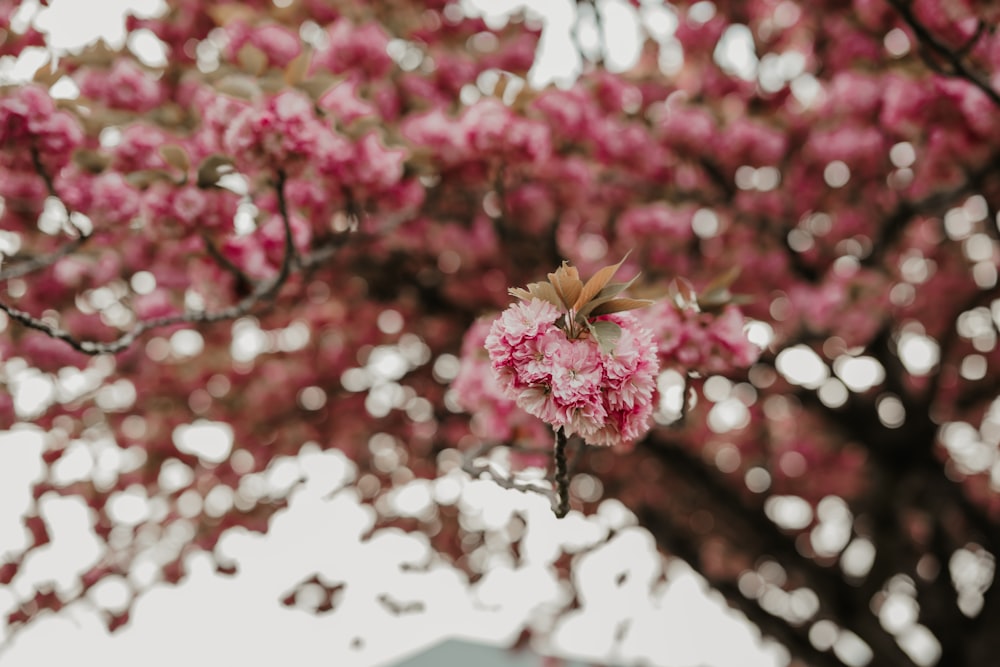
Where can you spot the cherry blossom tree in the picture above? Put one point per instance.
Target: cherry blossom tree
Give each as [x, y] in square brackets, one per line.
[299, 227]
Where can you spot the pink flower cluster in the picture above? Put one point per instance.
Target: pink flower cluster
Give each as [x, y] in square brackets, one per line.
[495, 417]
[700, 341]
[29, 121]
[606, 398]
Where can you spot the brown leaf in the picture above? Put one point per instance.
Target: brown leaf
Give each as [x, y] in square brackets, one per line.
[48, 74]
[242, 87]
[602, 297]
[596, 283]
[618, 306]
[724, 281]
[545, 292]
[251, 59]
[175, 156]
[567, 283]
[224, 14]
[296, 70]
[144, 178]
[91, 160]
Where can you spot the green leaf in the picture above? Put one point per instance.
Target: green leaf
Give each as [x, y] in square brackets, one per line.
[606, 333]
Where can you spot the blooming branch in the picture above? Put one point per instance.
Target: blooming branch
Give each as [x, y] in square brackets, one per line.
[264, 292]
[569, 355]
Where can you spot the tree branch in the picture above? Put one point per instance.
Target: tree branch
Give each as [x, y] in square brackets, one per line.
[34, 264]
[264, 292]
[952, 57]
[475, 471]
[562, 476]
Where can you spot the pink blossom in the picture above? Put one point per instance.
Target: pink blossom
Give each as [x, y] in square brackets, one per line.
[605, 397]
[345, 104]
[279, 43]
[703, 342]
[522, 321]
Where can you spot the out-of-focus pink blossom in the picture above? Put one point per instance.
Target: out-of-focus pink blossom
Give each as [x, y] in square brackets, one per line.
[703, 342]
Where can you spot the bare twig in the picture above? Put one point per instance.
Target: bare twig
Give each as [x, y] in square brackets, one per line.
[476, 470]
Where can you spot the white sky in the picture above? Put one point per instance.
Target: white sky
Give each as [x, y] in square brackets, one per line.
[234, 620]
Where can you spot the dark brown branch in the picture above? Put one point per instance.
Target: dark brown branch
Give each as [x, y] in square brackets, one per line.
[749, 528]
[562, 476]
[896, 223]
[34, 264]
[264, 292]
[954, 58]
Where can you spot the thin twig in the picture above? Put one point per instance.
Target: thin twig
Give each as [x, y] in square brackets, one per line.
[475, 471]
[952, 57]
[562, 476]
[264, 292]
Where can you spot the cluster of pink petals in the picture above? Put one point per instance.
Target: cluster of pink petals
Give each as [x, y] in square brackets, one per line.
[29, 121]
[606, 398]
[704, 342]
[495, 417]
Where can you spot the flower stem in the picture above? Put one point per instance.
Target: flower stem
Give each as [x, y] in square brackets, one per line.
[562, 477]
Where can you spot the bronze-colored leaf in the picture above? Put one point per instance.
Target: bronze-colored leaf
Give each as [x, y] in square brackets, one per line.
[607, 294]
[175, 156]
[545, 292]
[91, 160]
[596, 283]
[296, 70]
[224, 14]
[242, 87]
[567, 283]
[317, 84]
[251, 59]
[723, 281]
[48, 74]
[618, 306]
[143, 178]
